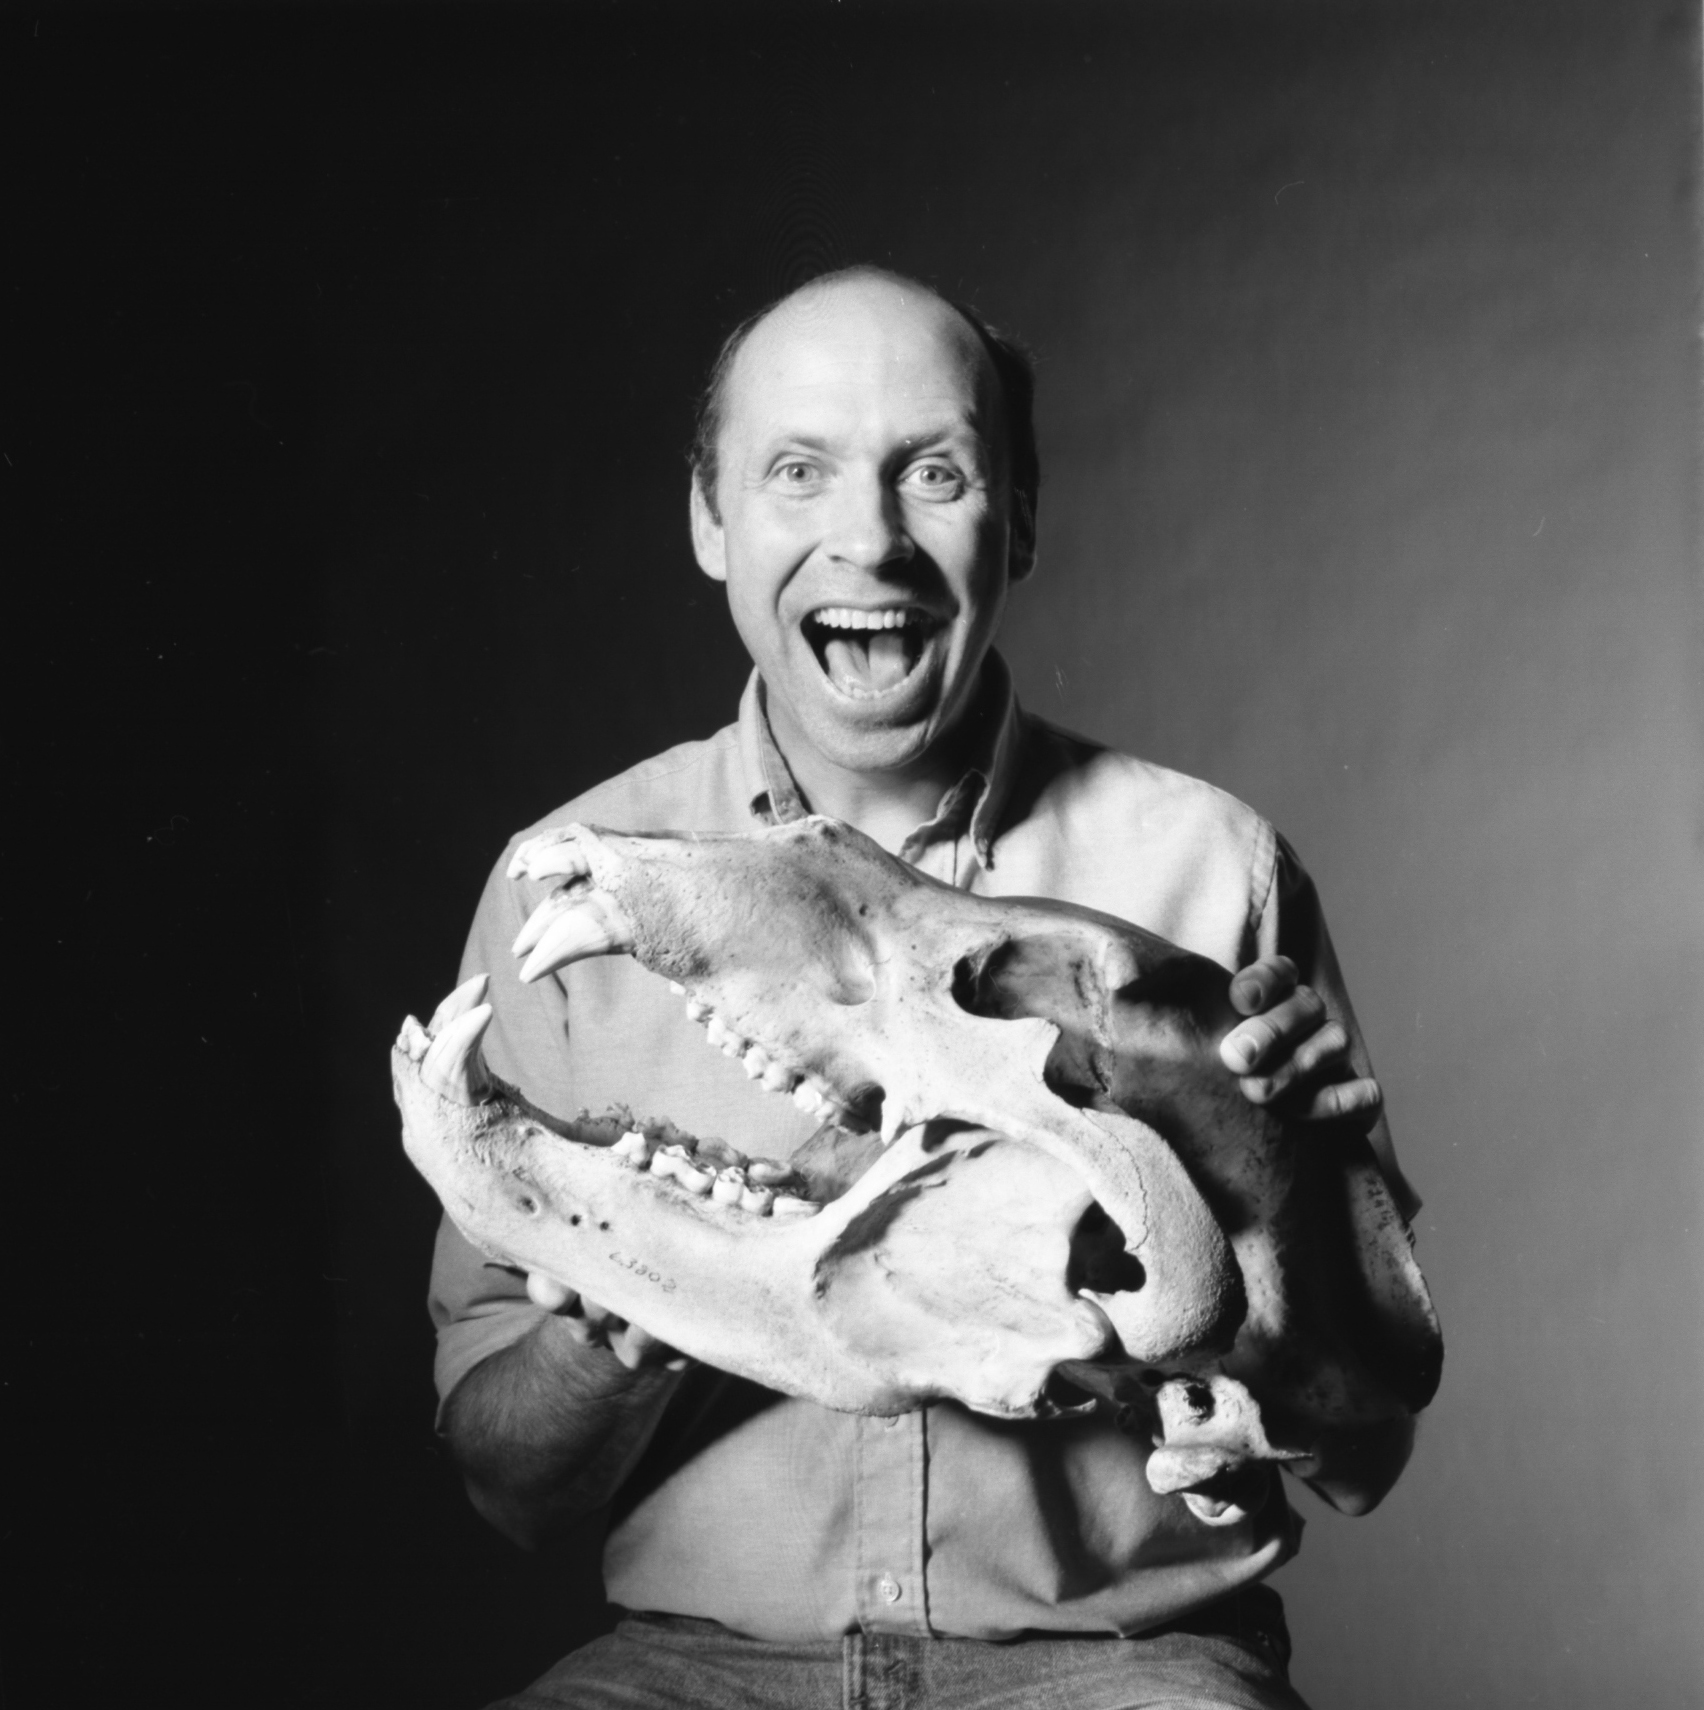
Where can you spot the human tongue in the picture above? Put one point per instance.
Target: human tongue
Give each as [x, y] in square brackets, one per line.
[867, 663]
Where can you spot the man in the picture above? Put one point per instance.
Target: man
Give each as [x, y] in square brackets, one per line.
[865, 486]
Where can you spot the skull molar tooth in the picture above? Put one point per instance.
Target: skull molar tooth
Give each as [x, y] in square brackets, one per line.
[729, 1187]
[790, 1205]
[633, 1148]
[675, 1163]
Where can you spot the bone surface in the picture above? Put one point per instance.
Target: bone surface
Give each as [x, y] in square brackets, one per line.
[1037, 1187]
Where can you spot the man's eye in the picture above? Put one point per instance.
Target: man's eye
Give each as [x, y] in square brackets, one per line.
[934, 480]
[795, 472]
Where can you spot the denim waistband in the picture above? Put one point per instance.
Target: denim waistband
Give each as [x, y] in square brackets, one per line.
[1252, 1615]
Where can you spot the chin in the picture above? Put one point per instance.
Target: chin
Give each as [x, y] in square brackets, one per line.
[876, 748]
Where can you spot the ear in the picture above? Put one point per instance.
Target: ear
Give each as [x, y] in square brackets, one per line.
[1020, 548]
[709, 545]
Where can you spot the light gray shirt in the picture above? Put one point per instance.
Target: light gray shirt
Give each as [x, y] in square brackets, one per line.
[776, 1517]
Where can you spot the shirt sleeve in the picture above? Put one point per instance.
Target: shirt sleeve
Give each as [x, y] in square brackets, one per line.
[479, 1307]
[1292, 924]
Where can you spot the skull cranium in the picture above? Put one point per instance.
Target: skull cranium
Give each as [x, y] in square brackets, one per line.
[1068, 1194]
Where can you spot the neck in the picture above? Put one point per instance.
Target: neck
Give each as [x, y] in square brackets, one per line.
[883, 806]
[888, 805]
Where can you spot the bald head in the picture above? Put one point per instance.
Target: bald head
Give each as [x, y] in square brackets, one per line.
[1005, 381]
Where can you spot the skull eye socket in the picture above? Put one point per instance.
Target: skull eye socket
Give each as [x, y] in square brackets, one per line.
[1048, 976]
[1052, 975]
[1098, 1258]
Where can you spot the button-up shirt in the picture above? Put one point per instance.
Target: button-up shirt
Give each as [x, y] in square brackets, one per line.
[776, 1517]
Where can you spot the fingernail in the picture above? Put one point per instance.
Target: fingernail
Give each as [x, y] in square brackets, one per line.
[1240, 1051]
[1246, 992]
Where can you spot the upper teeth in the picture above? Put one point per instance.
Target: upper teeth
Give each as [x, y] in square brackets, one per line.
[849, 617]
[811, 1097]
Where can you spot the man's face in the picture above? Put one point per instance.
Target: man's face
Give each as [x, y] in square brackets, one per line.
[865, 530]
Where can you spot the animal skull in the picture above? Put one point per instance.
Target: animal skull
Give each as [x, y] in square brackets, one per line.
[1035, 1184]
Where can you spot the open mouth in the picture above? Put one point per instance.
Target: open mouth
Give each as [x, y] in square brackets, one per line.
[867, 653]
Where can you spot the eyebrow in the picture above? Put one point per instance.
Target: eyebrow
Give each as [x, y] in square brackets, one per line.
[810, 442]
[946, 430]
[932, 435]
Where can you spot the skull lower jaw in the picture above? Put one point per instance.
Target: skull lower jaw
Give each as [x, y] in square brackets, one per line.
[850, 1307]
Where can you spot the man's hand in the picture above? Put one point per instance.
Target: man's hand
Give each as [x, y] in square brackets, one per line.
[597, 1327]
[544, 1435]
[1289, 1053]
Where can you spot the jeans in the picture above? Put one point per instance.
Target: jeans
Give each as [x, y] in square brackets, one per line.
[1230, 1657]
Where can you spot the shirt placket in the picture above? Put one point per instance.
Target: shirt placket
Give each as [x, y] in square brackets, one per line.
[889, 1473]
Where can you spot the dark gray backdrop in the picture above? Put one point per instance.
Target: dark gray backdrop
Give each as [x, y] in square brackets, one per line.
[356, 347]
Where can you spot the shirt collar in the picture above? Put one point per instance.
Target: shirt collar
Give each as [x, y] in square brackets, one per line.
[976, 800]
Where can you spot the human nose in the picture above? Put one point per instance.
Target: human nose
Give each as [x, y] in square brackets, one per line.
[866, 529]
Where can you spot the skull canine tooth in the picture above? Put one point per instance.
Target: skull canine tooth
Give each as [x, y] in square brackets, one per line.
[590, 926]
[556, 904]
[459, 1002]
[452, 1066]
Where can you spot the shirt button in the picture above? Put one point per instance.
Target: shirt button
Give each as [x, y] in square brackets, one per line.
[888, 1586]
